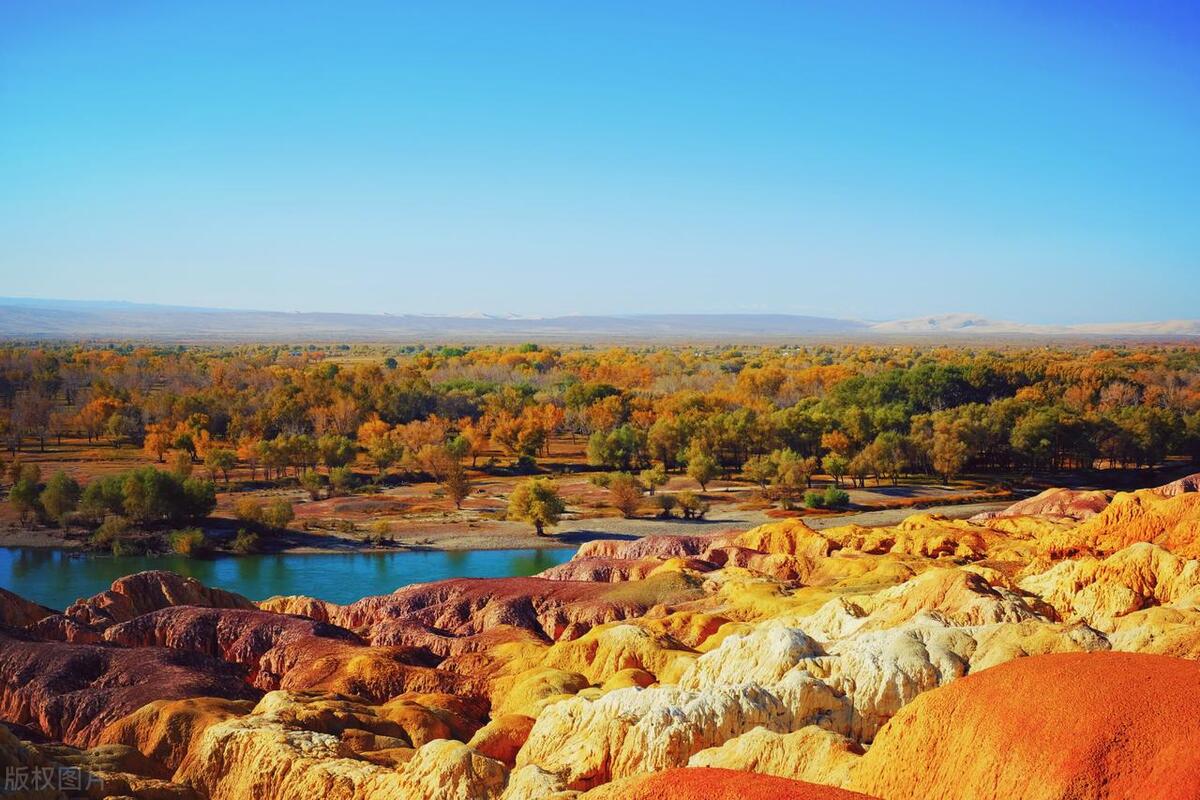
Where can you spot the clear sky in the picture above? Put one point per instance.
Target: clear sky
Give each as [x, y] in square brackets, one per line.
[1035, 161]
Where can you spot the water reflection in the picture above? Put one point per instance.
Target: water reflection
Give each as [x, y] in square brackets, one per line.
[57, 578]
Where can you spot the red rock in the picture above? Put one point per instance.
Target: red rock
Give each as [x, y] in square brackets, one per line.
[144, 592]
[704, 783]
[267, 645]
[1073, 725]
[652, 546]
[615, 570]
[18, 612]
[467, 606]
[62, 628]
[1182, 486]
[400, 633]
[1074, 504]
[70, 692]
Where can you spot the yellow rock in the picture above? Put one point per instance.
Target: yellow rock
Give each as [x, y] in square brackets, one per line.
[166, 729]
[810, 754]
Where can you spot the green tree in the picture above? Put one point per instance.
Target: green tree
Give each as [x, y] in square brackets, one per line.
[312, 482]
[653, 477]
[222, 460]
[24, 498]
[336, 451]
[702, 468]
[60, 497]
[759, 470]
[622, 448]
[691, 506]
[536, 501]
[835, 466]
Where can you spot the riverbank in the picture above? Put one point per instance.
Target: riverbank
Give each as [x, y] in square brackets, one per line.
[456, 536]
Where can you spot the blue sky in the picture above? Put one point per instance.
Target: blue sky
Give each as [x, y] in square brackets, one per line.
[1034, 161]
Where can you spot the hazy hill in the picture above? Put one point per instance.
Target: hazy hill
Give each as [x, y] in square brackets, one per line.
[22, 318]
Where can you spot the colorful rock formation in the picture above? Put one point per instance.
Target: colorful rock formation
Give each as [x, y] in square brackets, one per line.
[1048, 651]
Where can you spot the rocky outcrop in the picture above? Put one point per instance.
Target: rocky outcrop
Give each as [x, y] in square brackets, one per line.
[145, 592]
[166, 730]
[1191, 483]
[70, 692]
[17, 612]
[809, 754]
[1099, 591]
[1075, 504]
[615, 570]
[715, 784]
[267, 645]
[585, 743]
[1171, 522]
[553, 609]
[1045, 727]
[266, 756]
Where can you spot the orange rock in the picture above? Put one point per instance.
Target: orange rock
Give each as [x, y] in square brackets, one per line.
[19, 612]
[703, 783]
[1141, 516]
[502, 738]
[166, 729]
[1094, 725]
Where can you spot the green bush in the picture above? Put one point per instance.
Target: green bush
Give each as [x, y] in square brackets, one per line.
[112, 530]
[836, 498]
[666, 504]
[277, 514]
[814, 499]
[189, 542]
[341, 479]
[245, 542]
[127, 547]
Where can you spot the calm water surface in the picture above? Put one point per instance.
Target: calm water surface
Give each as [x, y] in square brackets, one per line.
[57, 578]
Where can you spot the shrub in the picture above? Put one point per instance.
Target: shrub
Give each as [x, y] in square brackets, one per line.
[814, 499]
[341, 479]
[836, 498]
[110, 531]
[245, 542]
[127, 547]
[189, 542]
[666, 503]
[626, 493]
[277, 514]
[247, 509]
[312, 482]
[691, 506]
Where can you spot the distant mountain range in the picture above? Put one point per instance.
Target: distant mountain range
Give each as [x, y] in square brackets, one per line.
[25, 318]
